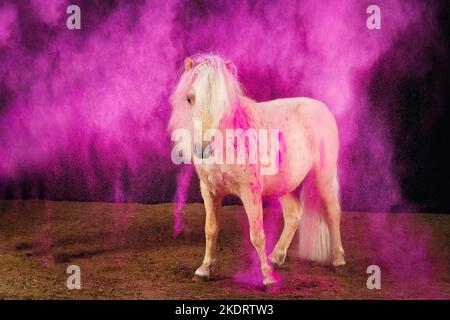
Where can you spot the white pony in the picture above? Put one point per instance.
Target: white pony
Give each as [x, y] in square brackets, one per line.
[306, 180]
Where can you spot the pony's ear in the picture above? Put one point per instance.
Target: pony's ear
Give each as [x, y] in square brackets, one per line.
[188, 64]
[231, 67]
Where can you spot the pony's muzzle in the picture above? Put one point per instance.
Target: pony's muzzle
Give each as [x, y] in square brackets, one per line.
[203, 151]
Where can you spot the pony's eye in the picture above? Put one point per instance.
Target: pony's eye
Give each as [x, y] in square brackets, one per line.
[190, 98]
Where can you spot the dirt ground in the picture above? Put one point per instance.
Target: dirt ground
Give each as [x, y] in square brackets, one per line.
[127, 251]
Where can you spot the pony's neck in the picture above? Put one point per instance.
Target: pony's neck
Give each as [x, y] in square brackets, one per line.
[242, 116]
[246, 102]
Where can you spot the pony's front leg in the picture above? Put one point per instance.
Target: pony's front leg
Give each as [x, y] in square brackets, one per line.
[212, 208]
[253, 207]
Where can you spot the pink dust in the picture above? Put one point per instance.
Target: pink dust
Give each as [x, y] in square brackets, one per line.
[183, 181]
[83, 106]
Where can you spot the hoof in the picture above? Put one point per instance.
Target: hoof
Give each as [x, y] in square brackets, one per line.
[339, 261]
[200, 278]
[277, 259]
[203, 273]
[270, 281]
[271, 285]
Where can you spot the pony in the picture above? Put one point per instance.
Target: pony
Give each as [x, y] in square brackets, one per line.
[306, 179]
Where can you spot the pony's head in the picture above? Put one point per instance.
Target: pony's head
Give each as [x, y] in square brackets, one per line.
[208, 91]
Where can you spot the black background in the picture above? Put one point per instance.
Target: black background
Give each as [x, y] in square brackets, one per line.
[420, 130]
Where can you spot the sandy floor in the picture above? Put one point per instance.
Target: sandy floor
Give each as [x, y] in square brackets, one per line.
[127, 251]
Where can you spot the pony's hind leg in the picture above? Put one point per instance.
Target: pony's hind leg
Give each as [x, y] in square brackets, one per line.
[253, 207]
[292, 212]
[212, 208]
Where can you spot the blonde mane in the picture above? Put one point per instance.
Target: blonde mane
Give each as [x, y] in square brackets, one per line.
[216, 87]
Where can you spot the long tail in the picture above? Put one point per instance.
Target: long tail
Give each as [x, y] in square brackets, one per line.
[314, 235]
